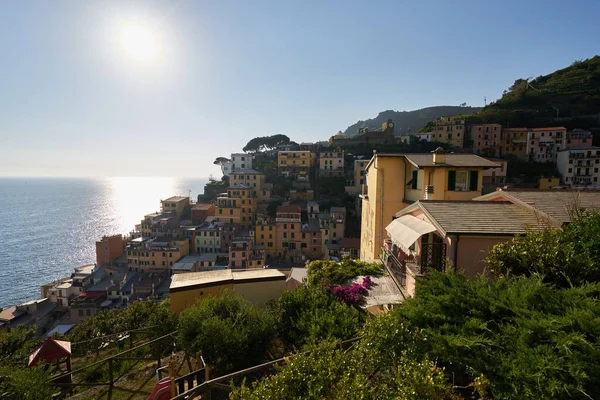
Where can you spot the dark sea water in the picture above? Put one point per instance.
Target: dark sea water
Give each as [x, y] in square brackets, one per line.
[48, 226]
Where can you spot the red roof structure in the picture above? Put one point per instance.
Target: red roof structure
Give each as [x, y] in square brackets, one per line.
[50, 351]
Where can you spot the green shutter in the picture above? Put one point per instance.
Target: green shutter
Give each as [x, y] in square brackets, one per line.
[451, 180]
[473, 180]
[415, 175]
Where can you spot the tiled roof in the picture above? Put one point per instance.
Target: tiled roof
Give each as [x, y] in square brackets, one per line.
[452, 160]
[488, 218]
[550, 128]
[350, 243]
[289, 209]
[558, 204]
[202, 206]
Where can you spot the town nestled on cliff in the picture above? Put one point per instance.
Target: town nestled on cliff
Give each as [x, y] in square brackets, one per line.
[380, 221]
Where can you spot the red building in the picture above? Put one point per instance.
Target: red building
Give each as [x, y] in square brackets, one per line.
[200, 211]
[110, 248]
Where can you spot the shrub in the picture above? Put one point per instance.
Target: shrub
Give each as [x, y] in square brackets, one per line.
[328, 272]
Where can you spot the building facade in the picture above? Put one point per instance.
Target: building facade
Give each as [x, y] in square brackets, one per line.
[395, 181]
[110, 248]
[543, 144]
[487, 139]
[331, 163]
[155, 255]
[450, 130]
[579, 166]
[296, 163]
[241, 161]
[515, 142]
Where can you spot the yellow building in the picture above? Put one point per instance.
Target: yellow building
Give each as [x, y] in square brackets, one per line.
[238, 207]
[175, 204]
[331, 163]
[548, 183]
[257, 286]
[154, 255]
[266, 234]
[393, 181]
[515, 142]
[254, 179]
[449, 130]
[296, 163]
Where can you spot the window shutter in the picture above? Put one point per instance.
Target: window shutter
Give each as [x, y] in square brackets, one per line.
[473, 180]
[415, 175]
[451, 180]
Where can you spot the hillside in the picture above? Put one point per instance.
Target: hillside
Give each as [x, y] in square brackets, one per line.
[569, 97]
[409, 121]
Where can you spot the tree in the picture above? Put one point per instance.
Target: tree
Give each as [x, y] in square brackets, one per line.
[309, 315]
[26, 383]
[329, 372]
[262, 143]
[514, 337]
[329, 272]
[16, 345]
[230, 332]
[563, 257]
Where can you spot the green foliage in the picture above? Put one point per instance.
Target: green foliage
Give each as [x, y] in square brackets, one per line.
[25, 384]
[282, 185]
[265, 143]
[329, 372]
[516, 338]
[230, 332]
[221, 160]
[563, 258]
[309, 315]
[328, 272]
[409, 121]
[213, 188]
[16, 345]
[157, 317]
[265, 163]
[328, 187]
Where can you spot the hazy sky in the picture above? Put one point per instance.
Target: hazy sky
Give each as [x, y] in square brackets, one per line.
[73, 102]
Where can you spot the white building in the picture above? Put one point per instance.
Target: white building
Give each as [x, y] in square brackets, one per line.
[579, 166]
[241, 161]
[424, 136]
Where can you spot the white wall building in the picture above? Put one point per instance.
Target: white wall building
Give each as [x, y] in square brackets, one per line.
[241, 161]
[579, 166]
[424, 136]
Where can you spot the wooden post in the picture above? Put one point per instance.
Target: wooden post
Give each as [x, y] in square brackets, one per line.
[172, 377]
[110, 377]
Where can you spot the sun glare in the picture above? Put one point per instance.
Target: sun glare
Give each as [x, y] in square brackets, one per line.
[139, 42]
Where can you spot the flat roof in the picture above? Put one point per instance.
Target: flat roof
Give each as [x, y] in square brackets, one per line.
[202, 206]
[192, 280]
[177, 198]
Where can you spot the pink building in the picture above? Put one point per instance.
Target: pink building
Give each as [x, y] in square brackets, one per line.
[443, 235]
[544, 143]
[244, 254]
[579, 137]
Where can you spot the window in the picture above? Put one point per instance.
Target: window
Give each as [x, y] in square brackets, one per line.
[81, 313]
[461, 180]
[413, 181]
[570, 161]
[570, 170]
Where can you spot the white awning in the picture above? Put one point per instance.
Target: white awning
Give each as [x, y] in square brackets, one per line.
[405, 231]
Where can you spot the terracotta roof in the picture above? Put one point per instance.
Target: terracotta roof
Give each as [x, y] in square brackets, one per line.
[350, 243]
[51, 350]
[452, 160]
[551, 128]
[202, 206]
[487, 218]
[516, 129]
[10, 313]
[554, 203]
[289, 209]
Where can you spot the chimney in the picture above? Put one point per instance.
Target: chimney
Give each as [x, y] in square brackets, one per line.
[439, 156]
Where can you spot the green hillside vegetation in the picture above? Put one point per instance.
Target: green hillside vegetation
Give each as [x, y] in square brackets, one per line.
[569, 97]
[409, 121]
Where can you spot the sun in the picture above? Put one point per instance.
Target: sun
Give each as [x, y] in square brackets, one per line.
[139, 42]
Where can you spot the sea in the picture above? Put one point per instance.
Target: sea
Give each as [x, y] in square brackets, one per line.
[48, 226]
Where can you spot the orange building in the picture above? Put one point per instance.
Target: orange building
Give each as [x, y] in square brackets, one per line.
[201, 211]
[515, 142]
[110, 248]
[487, 139]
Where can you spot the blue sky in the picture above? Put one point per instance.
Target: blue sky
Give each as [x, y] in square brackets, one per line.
[73, 104]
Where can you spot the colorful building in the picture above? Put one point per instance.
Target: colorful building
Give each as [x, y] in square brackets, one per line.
[495, 176]
[331, 163]
[296, 163]
[241, 161]
[257, 286]
[579, 166]
[487, 139]
[449, 130]
[254, 179]
[208, 237]
[395, 181]
[110, 248]
[238, 206]
[543, 144]
[443, 235]
[265, 234]
[177, 205]
[245, 254]
[201, 211]
[515, 142]
[155, 255]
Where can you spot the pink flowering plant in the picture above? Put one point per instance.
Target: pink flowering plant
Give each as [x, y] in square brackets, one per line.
[354, 293]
